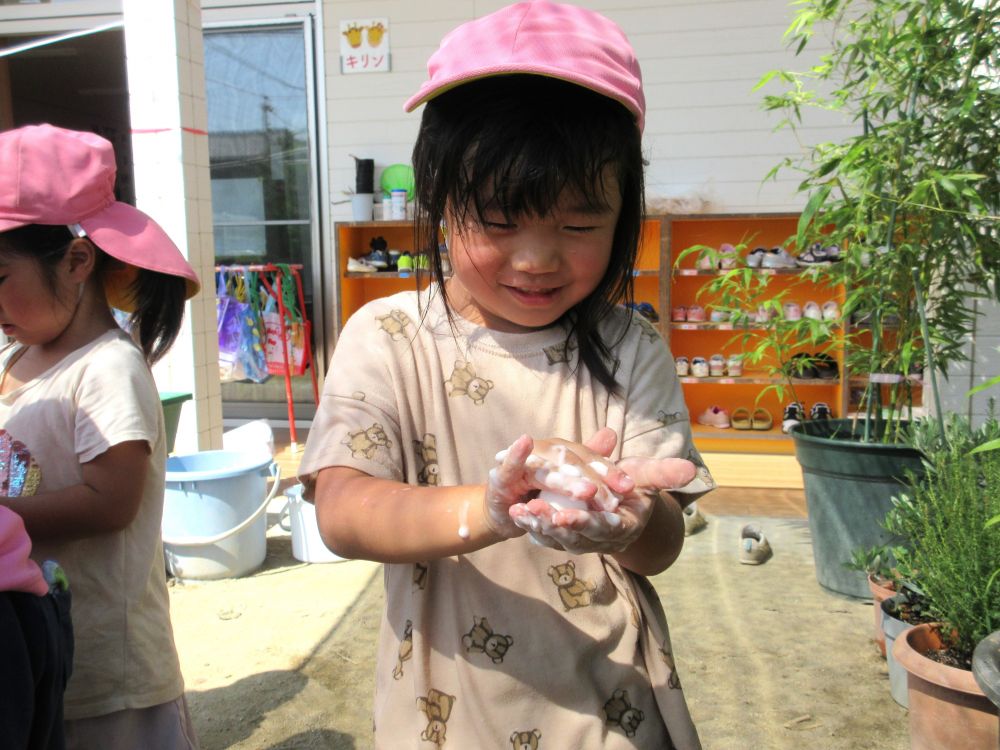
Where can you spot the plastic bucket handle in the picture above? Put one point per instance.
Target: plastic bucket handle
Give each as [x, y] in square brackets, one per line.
[204, 541]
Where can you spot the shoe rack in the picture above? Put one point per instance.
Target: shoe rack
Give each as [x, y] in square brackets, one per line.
[354, 289]
[750, 389]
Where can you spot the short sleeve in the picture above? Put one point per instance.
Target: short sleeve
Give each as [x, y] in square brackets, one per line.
[357, 421]
[657, 421]
[117, 401]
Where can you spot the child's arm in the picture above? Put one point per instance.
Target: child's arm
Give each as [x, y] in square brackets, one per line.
[365, 517]
[106, 500]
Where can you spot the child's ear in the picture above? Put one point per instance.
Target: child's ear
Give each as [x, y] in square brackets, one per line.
[81, 259]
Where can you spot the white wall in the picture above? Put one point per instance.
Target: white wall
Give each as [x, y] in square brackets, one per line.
[984, 364]
[706, 136]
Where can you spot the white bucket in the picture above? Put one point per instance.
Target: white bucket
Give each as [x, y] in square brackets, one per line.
[307, 544]
[214, 513]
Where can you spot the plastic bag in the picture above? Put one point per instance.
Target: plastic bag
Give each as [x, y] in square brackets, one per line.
[295, 331]
[241, 352]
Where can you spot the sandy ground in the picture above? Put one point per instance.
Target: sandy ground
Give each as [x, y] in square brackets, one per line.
[283, 658]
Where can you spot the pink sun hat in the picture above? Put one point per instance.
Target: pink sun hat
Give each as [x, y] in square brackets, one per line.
[54, 176]
[541, 38]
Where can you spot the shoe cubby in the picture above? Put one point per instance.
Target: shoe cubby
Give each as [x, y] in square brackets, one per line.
[752, 386]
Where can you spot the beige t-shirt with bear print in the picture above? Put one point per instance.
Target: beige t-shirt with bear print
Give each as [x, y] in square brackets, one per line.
[516, 644]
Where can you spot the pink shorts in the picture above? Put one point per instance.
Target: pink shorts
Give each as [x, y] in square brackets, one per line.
[163, 727]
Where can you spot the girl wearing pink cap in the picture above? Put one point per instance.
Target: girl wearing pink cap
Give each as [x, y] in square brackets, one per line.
[82, 441]
[518, 613]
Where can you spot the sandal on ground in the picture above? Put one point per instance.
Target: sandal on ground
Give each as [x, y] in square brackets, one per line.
[754, 547]
[761, 419]
[694, 521]
[741, 419]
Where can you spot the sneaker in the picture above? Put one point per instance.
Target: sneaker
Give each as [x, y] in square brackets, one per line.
[699, 367]
[817, 255]
[682, 366]
[378, 258]
[706, 261]
[754, 547]
[694, 521]
[801, 366]
[755, 257]
[831, 310]
[826, 366]
[820, 410]
[812, 311]
[714, 416]
[734, 366]
[719, 316]
[696, 314]
[679, 314]
[792, 416]
[716, 366]
[792, 311]
[763, 314]
[778, 257]
[728, 256]
[404, 262]
[360, 265]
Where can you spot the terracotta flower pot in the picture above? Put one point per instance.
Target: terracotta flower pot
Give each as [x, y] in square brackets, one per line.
[879, 594]
[948, 711]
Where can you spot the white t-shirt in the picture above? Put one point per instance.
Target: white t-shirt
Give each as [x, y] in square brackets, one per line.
[101, 395]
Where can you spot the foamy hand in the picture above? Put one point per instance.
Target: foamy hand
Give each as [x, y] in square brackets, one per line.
[567, 471]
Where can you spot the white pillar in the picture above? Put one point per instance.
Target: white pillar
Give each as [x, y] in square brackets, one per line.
[166, 80]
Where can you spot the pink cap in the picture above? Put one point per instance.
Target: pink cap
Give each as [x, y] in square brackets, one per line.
[542, 38]
[17, 571]
[53, 176]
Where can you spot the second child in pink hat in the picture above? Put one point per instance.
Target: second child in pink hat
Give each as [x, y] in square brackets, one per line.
[81, 426]
[515, 447]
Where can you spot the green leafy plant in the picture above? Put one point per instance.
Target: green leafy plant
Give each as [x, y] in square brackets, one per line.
[950, 552]
[878, 562]
[912, 198]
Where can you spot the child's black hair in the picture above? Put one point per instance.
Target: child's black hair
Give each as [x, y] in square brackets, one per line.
[517, 142]
[159, 298]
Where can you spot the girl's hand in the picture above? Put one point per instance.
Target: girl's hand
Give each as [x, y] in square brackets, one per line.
[517, 480]
[638, 482]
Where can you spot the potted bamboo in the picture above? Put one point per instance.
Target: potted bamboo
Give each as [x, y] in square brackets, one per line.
[910, 202]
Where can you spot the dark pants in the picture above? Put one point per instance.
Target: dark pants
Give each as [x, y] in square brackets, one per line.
[36, 658]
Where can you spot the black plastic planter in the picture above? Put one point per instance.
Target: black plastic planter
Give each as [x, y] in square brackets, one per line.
[848, 485]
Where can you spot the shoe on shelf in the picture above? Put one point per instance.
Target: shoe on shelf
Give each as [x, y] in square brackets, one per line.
[755, 257]
[682, 366]
[820, 410]
[719, 316]
[812, 311]
[728, 256]
[714, 416]
[734, 366]
[716, 366]
[699, 367]
[826, 366]
[801, 366]
[754, 547]
[741, 418]
[778, 257]
[792, 311]
[818, 255]
[792, 415]
[764, 314]
[379, 258]
[761, 419]
[679, 314]
[696, 314]
[694, 521]
[360, 265]
[706, 261]
[831, 310]
[404, 262]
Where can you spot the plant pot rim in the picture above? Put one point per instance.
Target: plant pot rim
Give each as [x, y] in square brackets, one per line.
[844, 433]
[909, 652]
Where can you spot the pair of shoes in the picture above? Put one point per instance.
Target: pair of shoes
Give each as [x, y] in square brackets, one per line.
[763, 315]
[682, 366]
[719, 316]
[679, 314]
[729, 256]
[696, 314]
[734, 366]
[778, 257]
[714, 416]
[759, 419]
[829, 311]
[792, 311]
[360, 265]
[694, 521]
[754, 547]
[818, 255]
[755, 256]
[699, 367]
